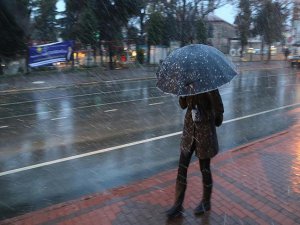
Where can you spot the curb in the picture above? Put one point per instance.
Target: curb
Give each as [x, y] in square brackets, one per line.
[242, 147]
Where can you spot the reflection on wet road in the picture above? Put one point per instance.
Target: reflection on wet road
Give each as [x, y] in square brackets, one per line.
[64, 143]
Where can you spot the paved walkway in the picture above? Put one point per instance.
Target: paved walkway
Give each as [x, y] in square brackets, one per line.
[258, 183]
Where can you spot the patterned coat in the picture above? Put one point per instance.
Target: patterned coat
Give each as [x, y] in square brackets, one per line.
[202, 131]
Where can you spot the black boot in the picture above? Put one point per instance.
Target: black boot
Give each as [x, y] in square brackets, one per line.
[205, 202]
[175, 211]
[177, 208]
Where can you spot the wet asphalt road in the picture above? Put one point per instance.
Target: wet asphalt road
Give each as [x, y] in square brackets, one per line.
[61, 144]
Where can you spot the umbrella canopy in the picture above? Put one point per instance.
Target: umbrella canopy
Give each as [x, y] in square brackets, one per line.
[194, 69]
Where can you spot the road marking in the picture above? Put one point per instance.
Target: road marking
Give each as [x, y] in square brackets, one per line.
[130, 79]
[111, 110]
[157, 103]
[87, 106]
[86, 154]
[129, 144]
[133, 89]
[74, 96]
[111, 103]
[260, 113]
[13, 91]
[121, 80]
[9, 92]
[248, 68]
[59, 118]
[38, 82]
[1, 127]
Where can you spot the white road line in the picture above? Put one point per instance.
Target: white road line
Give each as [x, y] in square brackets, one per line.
[74, 96]
[38, 82]
[1, 127]
[157, 103]
[59, 118]
[85, 154]
[133, 89]
[83, 107]
[128, 144]
[9, 92]
[111, 110]
[111, 103]
[129, 79]
[263, 112]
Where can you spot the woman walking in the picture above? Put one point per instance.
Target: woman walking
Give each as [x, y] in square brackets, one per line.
[204, 113]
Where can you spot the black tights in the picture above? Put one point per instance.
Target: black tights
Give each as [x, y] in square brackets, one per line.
[184, 162]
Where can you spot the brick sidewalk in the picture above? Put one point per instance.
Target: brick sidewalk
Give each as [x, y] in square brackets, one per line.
[258, 183]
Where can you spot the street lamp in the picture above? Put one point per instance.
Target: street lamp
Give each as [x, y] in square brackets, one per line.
[142, 15]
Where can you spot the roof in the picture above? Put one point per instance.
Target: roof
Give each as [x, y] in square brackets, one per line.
[213, 18]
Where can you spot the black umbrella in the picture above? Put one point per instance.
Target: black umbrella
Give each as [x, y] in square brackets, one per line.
[194, 69]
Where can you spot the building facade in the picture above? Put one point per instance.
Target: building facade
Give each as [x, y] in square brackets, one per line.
[220, 32]
[295, 34]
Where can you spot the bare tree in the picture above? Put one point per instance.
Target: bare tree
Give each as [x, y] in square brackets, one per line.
[186, 13]
[243, 22]
[270, 20]
[189, 11]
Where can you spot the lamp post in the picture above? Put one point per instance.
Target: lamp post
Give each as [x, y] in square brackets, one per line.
[141, 40]
[142, 16]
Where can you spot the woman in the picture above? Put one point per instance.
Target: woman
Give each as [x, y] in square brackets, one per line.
[204, 113]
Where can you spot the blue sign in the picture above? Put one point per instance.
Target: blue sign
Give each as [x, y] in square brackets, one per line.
[42, 55]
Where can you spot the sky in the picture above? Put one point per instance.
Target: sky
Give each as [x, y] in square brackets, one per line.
[226, 12]
[60, 5]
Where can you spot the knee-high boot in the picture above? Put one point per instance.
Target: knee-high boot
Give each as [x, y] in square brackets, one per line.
[181, 183]
[177, 208]
[204, 205]
[207, 188]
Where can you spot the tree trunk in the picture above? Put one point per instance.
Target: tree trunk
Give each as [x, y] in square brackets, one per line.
[1, 69]
[110, 50]
[73, 61]
[262, 50]
[182, 33]
[242, 51]
[269, 53]
[141, 39]
[148, 53]
[27, 55]
[251, 53]
[101, 53]
[95, 55]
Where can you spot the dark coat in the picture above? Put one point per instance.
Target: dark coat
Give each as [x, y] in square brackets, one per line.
[202, 131]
